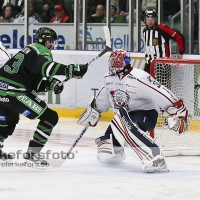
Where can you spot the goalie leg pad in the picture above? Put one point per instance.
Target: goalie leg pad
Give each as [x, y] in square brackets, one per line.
[136, 141]
[107, 152]
[131, 137]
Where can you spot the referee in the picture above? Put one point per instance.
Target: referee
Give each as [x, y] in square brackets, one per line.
[157, 38]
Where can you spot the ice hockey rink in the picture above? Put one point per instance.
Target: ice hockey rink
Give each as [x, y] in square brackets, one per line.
[83, 178]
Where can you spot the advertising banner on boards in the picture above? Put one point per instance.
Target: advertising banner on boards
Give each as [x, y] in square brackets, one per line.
[12, 35]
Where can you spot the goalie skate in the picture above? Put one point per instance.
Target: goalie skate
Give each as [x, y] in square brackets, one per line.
[107, 152]
[34, 160]
[157, 164]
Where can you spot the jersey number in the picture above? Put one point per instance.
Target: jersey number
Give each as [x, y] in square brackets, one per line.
[15, 66]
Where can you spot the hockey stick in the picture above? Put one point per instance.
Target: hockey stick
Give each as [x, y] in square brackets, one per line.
[108, 47]
[52, 163]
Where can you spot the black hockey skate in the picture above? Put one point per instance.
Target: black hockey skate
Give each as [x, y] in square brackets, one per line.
[33, 157]
[34, 160]
[4, 157]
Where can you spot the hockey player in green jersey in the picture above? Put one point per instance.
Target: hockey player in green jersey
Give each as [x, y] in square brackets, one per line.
[30, 71]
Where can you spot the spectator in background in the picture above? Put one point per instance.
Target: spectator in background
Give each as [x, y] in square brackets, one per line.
[134, 17]
[60, 16]
[124, 9]
[91, 7]
[124, 15]
[7, 14]
[14, 4]
[115, 17]
[98, 16]
[33, 16]
[67, 7]
[47, 11]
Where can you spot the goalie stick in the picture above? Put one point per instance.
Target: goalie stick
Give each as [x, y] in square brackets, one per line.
[108, 47]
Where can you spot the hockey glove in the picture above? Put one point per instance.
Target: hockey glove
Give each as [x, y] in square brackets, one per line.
[178, 122]
[90, 115]
[52, 84]
[75, 71]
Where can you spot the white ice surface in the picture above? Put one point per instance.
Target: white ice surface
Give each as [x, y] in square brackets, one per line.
[84, 178]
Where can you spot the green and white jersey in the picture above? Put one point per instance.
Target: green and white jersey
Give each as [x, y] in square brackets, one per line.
[25, 71]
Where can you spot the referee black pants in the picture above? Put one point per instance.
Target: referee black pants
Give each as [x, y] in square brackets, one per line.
[147, 68]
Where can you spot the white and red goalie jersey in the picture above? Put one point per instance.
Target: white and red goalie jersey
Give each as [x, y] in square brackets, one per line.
[4, 54]
[136, 90]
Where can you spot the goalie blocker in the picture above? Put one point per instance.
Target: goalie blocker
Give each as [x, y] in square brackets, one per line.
[90, 115]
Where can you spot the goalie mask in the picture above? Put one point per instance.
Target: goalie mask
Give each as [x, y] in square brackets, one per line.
[118, 60]
[44, 34]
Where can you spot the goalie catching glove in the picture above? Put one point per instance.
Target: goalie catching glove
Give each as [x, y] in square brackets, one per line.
[75, 71]
[90, 115]
[178, 122]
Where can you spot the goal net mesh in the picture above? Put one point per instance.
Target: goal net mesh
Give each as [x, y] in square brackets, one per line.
[179, 76]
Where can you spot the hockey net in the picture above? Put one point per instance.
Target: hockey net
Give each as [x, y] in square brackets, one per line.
[179, 76]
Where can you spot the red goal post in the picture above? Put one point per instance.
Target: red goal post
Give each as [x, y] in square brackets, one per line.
[180, 76]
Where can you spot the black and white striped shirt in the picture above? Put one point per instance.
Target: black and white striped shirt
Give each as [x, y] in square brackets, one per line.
[157, 41]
